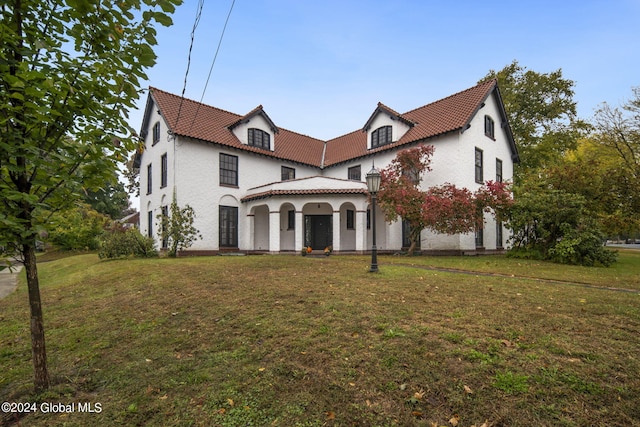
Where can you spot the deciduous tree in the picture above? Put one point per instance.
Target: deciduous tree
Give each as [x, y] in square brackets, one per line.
[69, 73]
[446, 208]
[541, 112]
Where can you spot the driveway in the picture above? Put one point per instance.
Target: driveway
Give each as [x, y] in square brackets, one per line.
[9, 280]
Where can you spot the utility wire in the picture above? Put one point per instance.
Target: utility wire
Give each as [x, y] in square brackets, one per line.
[186, 74]
[233, 2]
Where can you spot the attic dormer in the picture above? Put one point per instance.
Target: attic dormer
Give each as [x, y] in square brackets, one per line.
[385, 126]
[256, 129]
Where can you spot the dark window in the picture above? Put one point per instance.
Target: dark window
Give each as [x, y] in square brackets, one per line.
[163, 170]
[350, 219]
[156, 133]
[479, 237]
[228, 170]
[259, 138]
[412, 174]
[354, 173]
[368, 219]
[291, 220]
[381, 136]
[165, 217]
[498, 170]
[479, 172]
[406, 235]
[489, 127]
[287, 173]
[150, 223]
[149, 178]
[499, 239]
[228, 227]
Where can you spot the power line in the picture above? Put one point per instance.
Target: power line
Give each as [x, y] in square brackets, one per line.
[217, 49]
[215, 56]
[186, 74]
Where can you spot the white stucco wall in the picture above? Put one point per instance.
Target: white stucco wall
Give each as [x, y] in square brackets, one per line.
[193, 170]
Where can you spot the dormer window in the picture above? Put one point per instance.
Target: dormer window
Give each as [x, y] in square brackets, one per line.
[381, 136]
[259, 138]
[489, 127]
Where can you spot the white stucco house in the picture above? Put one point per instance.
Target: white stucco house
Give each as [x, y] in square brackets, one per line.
[256, 187]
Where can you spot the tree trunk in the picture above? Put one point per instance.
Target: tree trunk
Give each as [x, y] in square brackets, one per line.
[39, 354]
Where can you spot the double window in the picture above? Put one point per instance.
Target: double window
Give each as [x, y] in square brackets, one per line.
[381, 136]
[228, 170]
[489, 127]
[259, 138]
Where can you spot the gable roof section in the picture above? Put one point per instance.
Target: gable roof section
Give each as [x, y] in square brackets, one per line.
[258, 111]
[449, 114]
[211, 124]
[392, 113]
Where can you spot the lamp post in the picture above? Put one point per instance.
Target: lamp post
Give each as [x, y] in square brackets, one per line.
[373, 185]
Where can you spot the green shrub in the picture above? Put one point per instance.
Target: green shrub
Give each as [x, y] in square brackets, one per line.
[120, 242]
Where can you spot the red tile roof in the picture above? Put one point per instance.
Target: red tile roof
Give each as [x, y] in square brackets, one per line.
[303, 192]
[195, 120]
[204, 122]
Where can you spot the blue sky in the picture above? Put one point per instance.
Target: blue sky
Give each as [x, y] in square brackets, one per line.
[320, 67]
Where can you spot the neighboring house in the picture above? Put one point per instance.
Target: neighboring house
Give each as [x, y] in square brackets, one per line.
[257, 187]
[131, 220]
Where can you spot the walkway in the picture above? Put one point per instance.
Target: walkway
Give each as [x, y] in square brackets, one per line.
[512, 276]
[9, 280]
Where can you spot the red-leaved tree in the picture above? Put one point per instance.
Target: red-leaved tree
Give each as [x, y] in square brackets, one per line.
[445, 208]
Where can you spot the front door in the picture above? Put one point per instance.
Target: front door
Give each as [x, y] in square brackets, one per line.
[318, 231]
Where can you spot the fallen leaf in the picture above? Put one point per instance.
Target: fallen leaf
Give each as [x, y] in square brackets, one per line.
[419, 394]
[454, 420]
[507, 343]
[163, 397]
[468, 390]
[261, 369]
[416, 414]
[230, 402]
[331, 415]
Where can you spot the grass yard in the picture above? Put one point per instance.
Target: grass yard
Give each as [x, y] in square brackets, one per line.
[300, 341]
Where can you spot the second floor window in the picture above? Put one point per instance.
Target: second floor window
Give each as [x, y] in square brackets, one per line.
[287, 173]
[228, 170]
[163, 170]
[498, 170]
[149, 178]
[381, 136]
[354, 173]
[259, 138]
[479, 172]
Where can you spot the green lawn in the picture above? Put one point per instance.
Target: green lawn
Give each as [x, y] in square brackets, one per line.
[300, 341]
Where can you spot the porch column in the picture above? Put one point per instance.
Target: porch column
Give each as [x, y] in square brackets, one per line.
[336, 231]
[274, 231]
[361, 231]
[246, 234]
[299, 231]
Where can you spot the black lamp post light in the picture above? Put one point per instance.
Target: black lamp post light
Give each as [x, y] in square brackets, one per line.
[373, 185]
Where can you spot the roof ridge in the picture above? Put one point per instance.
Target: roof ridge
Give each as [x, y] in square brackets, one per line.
[195, 102]
[492, 81]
